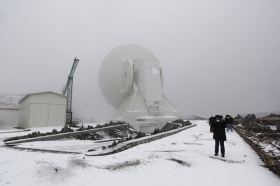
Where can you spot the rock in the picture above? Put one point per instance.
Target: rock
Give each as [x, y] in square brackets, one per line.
[170, 126]
[238, 119]
[66, 129]
[238, 116]
[114, 144]
[250, 121]
[187, 123]
[156, 131]
[89, 127]
[81, 128]
[54, 131]
[278, 127]
[98, 126]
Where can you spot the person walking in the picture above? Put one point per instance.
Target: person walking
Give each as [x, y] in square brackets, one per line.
[219, 134]
[229, 121]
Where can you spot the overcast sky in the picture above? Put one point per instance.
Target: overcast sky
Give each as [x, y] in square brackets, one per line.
[218, 57]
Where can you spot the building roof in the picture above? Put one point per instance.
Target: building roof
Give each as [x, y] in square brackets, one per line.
[39, 93]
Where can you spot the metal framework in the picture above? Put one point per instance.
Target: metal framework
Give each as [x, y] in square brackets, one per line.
[69, 89]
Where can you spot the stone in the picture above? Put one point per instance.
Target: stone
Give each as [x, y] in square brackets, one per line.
[278, 127]
[66, 129]
[54, 131]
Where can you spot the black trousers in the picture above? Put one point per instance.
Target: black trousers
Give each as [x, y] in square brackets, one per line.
[221, 142]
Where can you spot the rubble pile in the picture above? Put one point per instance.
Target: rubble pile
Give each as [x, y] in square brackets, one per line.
[272, 119]
[253, 128]
[173, 125]
[124, 131]
[238, 119]
[65, 129]
[262, 138]
[118, 133]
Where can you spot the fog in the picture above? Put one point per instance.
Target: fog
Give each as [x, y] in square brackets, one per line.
[218, 57]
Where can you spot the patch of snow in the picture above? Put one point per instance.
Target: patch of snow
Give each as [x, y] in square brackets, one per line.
[157, 117]
[185, 158]
[272, 127]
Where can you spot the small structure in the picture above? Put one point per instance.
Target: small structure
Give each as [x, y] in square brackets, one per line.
[8, 117]
[43, 109]
[9, 110]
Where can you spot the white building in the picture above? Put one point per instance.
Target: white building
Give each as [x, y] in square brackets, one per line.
[9, 110]
[8, 117]
[42, 109]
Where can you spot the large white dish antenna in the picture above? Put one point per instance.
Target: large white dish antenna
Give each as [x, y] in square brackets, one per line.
[116, 72]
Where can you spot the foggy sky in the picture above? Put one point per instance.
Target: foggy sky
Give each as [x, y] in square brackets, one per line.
[218, 57]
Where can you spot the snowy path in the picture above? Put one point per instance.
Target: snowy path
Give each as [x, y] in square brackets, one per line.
[185, 158]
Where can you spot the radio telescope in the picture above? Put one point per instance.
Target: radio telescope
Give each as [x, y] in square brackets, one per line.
[131, 80]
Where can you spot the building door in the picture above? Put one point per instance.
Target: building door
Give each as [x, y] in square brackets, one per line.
[57, 115]
[39, 114]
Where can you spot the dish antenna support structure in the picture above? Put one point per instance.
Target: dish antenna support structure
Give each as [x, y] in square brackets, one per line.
[69, 88]
[131, 80]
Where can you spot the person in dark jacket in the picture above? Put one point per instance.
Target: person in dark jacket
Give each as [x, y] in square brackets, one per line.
[211, 120]
[219, 134]
[229, 121]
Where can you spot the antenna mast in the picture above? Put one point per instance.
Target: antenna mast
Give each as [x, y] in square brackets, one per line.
[69, 89]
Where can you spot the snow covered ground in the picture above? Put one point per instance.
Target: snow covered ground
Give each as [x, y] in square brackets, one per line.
[10, 100]
[185, 158]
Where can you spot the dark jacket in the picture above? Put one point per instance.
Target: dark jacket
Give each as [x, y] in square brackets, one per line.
[229, 120]
[211, 120]
[219, 131]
